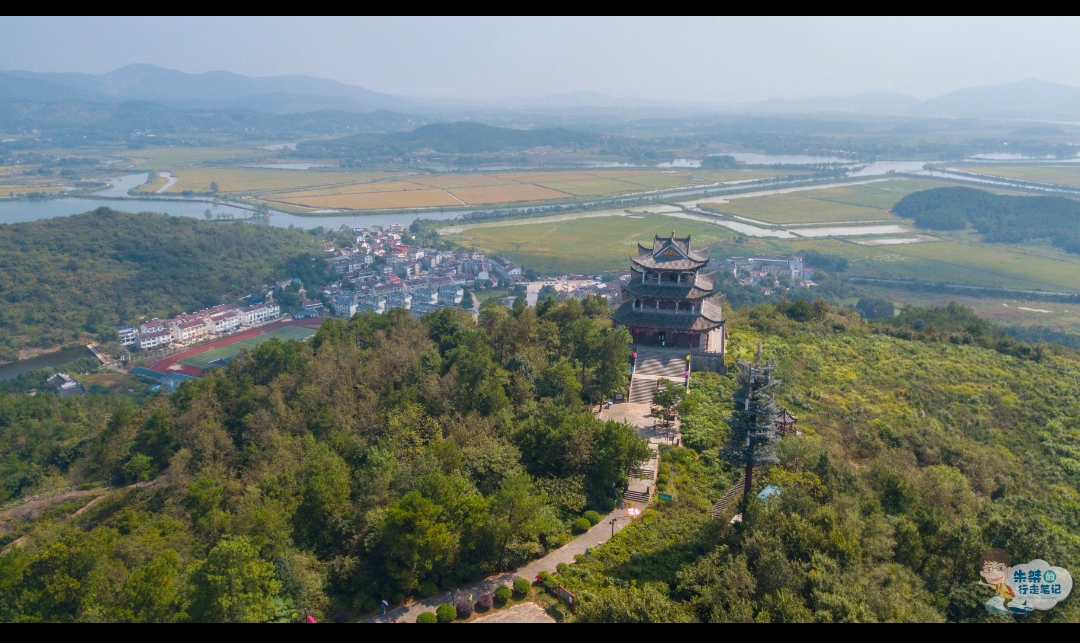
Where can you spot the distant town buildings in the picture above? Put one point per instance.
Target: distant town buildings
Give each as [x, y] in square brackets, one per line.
[753, 270]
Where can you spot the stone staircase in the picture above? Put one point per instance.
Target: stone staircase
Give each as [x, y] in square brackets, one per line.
[728, 500]
[644, 472]
[653, 364]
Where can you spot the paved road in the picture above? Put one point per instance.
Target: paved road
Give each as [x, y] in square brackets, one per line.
[598, 535]
[520, 613]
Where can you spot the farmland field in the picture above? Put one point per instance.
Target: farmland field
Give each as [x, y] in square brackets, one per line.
[506, 194]
[202, 360]
[247, 180]
[176, 157]
[866, 202]
[1057, 174]
[958, 262]
[374, 200]
[413, 189]
[585, 245]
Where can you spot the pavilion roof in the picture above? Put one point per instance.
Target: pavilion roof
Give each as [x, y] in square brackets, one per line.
[671, 253]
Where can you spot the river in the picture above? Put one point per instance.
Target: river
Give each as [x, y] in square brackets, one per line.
[49, 360]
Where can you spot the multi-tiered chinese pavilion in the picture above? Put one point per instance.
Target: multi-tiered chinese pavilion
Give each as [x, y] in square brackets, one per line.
[668, 302]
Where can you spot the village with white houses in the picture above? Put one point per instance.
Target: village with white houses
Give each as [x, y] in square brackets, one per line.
[381, 271]
[189, 328]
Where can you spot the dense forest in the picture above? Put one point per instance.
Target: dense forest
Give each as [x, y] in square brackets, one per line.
[917, 455]
[998, 218]
[390, 458]
[67, 281]
[384, 458]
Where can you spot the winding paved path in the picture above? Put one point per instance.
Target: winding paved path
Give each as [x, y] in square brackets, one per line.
[636, 415]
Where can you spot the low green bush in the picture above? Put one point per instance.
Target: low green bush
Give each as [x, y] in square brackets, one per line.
[579, 525]
[427, 588]
[554, 541]
[502, 594]
[521, 586]
[592, 516]
[445, 613]
[427, 617]
[562, 568]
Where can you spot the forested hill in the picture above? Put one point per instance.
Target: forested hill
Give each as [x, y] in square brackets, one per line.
[391, 458]
[917, 457]
[64, 281]
[385, 458]
[999, 218]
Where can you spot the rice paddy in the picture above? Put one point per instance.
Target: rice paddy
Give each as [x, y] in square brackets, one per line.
[324, 189]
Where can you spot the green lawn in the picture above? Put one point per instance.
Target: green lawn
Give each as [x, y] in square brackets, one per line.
[202, 360]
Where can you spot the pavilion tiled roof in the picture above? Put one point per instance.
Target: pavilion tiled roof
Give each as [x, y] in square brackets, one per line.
[703, 286]
[669, 253]
[711, 317]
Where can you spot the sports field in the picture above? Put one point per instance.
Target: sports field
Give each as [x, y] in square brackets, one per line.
[202, 360]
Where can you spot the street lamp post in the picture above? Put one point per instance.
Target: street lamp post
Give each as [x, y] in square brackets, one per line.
[613, 527]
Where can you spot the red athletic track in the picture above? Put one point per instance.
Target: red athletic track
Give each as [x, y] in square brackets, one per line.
[163, 365]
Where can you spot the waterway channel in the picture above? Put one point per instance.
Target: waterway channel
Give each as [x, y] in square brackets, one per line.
[11, 370]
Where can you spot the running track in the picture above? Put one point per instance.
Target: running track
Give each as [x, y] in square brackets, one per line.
[163, 365]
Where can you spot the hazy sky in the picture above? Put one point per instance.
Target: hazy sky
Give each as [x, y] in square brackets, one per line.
[715, 60]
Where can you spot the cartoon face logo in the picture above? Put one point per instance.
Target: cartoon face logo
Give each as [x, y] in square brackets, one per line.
[994, 572]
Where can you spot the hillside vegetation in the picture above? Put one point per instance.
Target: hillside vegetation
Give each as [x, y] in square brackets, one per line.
[918, 455]
[70, 280]
[386, 457]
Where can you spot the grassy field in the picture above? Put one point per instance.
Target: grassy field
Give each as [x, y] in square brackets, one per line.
[1058, 174]
[202, 360]
[958, 261]
[866, 202]
[588, 245]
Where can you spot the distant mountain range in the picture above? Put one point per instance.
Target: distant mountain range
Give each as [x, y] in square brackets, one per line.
[210, 90]
[1031, 98]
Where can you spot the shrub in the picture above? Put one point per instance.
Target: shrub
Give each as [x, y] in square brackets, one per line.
[445, 613]
[562, 568]
[580, 526]
[548, 581]
[592, 516]
[463, 607]
[484, 603]
[427, 588]
[521, 586]
[427, 617]
[554, 541]
[503, 594]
